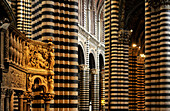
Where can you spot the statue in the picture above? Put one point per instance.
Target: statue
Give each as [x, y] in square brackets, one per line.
[51, 85]
[29, 83]
[27, 52]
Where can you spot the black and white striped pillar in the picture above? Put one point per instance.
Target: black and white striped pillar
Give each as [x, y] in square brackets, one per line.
[157, 19]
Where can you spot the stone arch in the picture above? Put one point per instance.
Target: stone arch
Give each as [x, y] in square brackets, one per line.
[101, 62]
[81, 58]
[92, 64]
[41, 82]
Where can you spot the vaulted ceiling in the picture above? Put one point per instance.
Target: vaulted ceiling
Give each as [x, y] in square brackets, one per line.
[135, 20]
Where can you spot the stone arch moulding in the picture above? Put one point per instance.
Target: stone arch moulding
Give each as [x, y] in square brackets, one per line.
[103, 55]
[81, 57]
[94, 55]
[82, 46]
[43, 82]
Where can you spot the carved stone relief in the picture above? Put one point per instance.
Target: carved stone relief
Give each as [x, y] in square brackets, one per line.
[37, 56]
[14, 78]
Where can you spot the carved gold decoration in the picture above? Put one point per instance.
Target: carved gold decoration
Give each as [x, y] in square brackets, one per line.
[38, 56]
[51, 84]
[47, 96]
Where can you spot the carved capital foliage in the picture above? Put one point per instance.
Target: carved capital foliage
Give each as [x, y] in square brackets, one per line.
[3, 91]
[47, 96]
[7, 92]
[83, 67]
[93, 71]
[28, 96]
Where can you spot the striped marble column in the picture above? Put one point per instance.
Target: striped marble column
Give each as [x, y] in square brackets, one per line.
[116, 60]
[94, 90]
[102, 90]
[66, 52]
[48, 19]
[141, 83]
[133, 53]
[24, 16]
[84, 88]
[36, 17]
[157, 19]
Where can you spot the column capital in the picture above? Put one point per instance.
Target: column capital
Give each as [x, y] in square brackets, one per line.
[47, 97]
[93, 71]
[19, 94]
[28, 96]
[83, 67]
[9, 92]
[3, 91]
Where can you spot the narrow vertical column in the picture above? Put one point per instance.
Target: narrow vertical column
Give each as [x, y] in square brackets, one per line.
[24, 105]
[95, 103]
[11, 100]
[102, 90]
[164, 82]
[47, 105]
[3, 92]
[28, 105]
[47, 98]
[20, 100]
[141, 83]
[133, 53]
[7, 100]
[2, 35]
[27, 98]
[97, 78]
[88, 69]
[6, 46]
[147, 54]
[84, 89]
